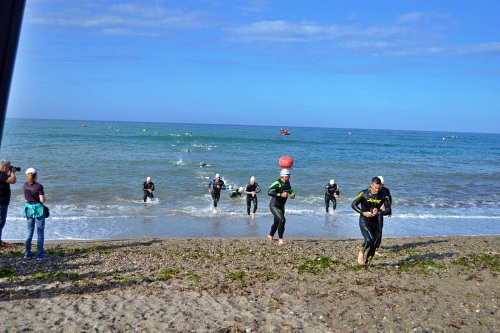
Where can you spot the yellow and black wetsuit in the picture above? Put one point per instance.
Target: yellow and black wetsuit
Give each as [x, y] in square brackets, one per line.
[366, 201]
[277, 205]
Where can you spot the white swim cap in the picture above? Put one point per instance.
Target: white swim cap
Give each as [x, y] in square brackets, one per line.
[30, 170]
[241, 188]
[381, 179]
[149, 178]
[217, 175]
[332, 181]
[285, 172]
[252, 179]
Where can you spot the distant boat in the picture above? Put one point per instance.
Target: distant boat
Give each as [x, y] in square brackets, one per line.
[285, 132]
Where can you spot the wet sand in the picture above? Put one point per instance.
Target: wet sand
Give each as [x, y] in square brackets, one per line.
[431, 284]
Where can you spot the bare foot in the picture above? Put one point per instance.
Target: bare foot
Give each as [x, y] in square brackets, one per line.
[215, 210]
[281, 242]
[270, 237]
[361, 258]
[253, 215]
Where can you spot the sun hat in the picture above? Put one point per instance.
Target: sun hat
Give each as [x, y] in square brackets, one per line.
[285, 172]
[332, 181]
[31, 170]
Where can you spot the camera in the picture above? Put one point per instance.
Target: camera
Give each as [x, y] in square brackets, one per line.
[13, 167]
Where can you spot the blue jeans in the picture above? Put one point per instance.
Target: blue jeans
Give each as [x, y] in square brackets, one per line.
[40, 227]
[3, 218]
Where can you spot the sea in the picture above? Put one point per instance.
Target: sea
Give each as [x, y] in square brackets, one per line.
[442, 184]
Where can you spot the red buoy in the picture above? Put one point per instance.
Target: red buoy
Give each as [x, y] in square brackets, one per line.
[286, 162]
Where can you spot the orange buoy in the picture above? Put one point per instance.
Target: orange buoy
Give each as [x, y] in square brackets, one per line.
[286, 162]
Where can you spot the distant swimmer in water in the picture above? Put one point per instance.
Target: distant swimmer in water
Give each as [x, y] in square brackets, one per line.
[214, 188]
[251, 191]
[204, 165]
[148, 187]
[236, 193]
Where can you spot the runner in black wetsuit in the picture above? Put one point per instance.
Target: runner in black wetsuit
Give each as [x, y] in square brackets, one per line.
[371, 201]
[331, 190]
[214, 188]
[148, 187]
[251, 191]
[385, 192]
[280, 190]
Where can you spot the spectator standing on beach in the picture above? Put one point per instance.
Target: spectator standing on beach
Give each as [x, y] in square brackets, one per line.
[368, 203]
[148, 187]
[331, 194]
[251, 191]
[34, 213]
[385, 192]
[214, 188]
[7, 177]
[280, 191]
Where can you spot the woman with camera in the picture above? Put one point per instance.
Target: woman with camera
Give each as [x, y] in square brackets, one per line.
[7, 177]
[34, 213]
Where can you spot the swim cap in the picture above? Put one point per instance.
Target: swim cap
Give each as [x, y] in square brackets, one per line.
[381, 180]
[31, 170]
[252, 179]
[149, 178]
[241, 188]
[217, 175]
[332, 181]
[285, 172]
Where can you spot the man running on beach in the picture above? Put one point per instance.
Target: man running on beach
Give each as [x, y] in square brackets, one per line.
[280, 190]
[331, 192]
[371, 201]
[385, 192]
[214, 188]
[251, 191]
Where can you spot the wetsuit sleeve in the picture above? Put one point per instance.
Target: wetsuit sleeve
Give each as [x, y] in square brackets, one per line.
[257, 188]
[291, 191]
[274, 189]
[144, 186]
[211, 184]
[223, 186]
[387, 206]
[357, 200]
[245, 191]
[152, 187]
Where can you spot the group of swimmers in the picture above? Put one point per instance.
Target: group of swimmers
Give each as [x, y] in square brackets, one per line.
[372, 204]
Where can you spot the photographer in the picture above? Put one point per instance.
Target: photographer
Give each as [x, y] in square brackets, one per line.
[7, 177]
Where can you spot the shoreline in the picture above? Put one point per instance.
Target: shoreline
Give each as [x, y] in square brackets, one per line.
[249, 284]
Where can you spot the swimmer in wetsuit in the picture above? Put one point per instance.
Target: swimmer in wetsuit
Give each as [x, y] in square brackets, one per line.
[280, 190]
[331, 190]
[148, 187]
[236, 193]
[214, 188]
[368, 204]
[251, 191]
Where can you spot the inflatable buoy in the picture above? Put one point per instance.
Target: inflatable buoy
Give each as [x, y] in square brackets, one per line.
[286, 162]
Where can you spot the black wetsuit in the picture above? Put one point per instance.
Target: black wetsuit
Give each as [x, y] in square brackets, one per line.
[370, 227]
[148, 186]
[215, 190]
[330, 192]
[252, 198]
[277, 205]
[385, 192]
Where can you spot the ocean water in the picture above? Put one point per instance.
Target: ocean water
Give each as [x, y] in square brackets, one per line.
[93, 178]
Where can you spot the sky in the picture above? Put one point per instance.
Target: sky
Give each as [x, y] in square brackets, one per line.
[403, 65]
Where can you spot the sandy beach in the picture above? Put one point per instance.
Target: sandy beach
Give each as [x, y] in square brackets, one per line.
[432, 284]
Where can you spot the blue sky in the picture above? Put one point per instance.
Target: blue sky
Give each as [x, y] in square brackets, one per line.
[409, 65]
